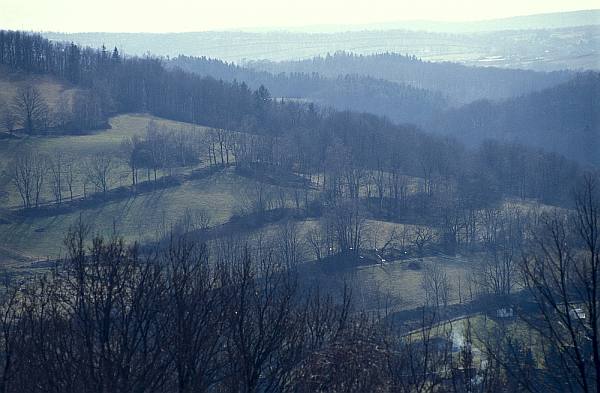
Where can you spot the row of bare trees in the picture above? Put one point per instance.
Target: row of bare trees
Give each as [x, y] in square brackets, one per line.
[161, 149]
[35, 175]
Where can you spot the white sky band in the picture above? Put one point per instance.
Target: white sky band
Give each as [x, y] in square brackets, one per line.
[202, 15]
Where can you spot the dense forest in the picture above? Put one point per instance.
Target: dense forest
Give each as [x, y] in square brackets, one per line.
[397, 101]
[563, 118]
[459, 83]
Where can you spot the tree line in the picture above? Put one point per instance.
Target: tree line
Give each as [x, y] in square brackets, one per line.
[400, 102]
[302, 137]
[562, 118]
[460, 84]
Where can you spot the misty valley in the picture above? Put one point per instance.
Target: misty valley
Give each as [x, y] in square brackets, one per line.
[409, 208]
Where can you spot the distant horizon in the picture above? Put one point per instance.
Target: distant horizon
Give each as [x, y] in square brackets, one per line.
[262, 16]
[316, 27]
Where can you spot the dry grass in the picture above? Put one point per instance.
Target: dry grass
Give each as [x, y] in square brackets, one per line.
[138, 218]
[81, 147]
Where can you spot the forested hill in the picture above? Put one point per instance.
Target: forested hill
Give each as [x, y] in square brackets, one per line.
[462, 84]
[564, 118]
[288, 134]
[117, 84]
[400, 102]
[554, 49]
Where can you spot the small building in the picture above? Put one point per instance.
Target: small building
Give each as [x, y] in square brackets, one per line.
[505, 312]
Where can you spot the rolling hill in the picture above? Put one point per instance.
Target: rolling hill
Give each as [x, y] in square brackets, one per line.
[400, 102]
[554, 49]
[460, 84]
[563, 118]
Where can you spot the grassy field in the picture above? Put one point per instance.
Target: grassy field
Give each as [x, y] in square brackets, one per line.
[143, 217]
[81, 147]
[140, 217]
[137, 218]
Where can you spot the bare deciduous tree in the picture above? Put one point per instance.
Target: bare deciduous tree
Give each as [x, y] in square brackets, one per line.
[30, 108]
[57, 176]
[99, 171]
[562, 273]
[70, 175]
[436, 287]
[28, 176]
[192, 220]
[347, 222]
[131, 148]
[422, 236]
[289, 246]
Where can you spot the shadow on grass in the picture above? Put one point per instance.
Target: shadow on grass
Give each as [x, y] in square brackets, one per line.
[273, 175]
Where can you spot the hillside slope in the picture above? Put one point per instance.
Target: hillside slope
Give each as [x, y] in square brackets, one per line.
[52, 89]
[461, 84]
[564, 119]
[398, 101]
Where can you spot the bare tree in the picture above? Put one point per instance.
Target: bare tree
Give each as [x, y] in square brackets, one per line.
[347, 221]
[289, 246]
[381, 244]
[221, 139]
[398, 184]
[264, 326]
[196, 317]
[62, 114]
[99, 170]
[113, 297]
[503, 238]
[10, 314]
[28, 176]
[317, 238]
[256, 199]
[58, 177]
[156, 148]
[422, 236]
[562, 273]
[70, 175]
[131, 148]
[30, 108]
[416, 362]
[192, 220]
[436, 287]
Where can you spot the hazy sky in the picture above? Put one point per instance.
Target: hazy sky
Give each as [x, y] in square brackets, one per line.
[185, 15]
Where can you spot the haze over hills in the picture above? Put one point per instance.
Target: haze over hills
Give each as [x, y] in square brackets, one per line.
[554, 111]
[400, 102]
[554, 20]
[564, 118]
[574, 47]
[331, 222]
[460, 84]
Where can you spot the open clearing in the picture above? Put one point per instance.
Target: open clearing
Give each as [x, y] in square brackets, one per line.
[81, 147]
